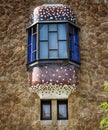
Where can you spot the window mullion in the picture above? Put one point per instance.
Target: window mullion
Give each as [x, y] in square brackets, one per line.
[37, 43]
[51, 31]
[48, 41]
[34, 40]
[57, 42]
[67, 40]
[31, 42]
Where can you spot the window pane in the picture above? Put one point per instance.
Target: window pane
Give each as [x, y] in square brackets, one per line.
[43, 50]
[46, 111]
[29, 36]
[53, 54]
[71, 43]
[29, 54]
[52, 27]
[62, 49]
[52, 40]
[62, 31]
[74, 55]
[34, 43]
[62, 111]
[74, 48]
[77, 58]
[33, 56]
[75, 36]
[43, 32]
[71, 55]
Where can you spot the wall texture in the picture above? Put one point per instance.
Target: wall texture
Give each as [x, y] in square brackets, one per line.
[19, 109]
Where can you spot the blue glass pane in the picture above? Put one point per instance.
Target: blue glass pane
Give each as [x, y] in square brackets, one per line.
[43, 32]
[62, 31]
[43, 50]
[53, 54]
[52, 27]
[33, 56]
[29, 36]
[74, 55]
[34, 43]
[63, 49]
[76, 36]
[73, 52]
[74, 48]
[77, 58]
[71, 56]
[52, 40]
[71, 43]
[29, 54]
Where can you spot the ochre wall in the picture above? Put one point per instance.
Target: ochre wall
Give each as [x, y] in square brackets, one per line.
[19, 109]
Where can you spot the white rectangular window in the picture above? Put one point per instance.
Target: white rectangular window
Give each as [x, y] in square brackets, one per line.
[62, 109]
[46, 110]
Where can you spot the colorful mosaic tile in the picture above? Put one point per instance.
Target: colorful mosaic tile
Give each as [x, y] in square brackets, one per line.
[53, 13]
[55, 74]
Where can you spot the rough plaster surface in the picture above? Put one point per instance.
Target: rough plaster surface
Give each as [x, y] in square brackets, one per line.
[19, 109]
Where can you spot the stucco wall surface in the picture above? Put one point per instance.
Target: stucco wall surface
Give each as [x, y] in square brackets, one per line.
[19, 108]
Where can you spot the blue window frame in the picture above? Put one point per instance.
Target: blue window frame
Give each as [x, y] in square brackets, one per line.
[74, 45]
[32, 38]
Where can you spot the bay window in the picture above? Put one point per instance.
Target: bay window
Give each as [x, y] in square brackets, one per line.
[53, 41]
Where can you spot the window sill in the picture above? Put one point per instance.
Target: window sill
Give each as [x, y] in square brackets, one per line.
[44, 122]
[42, 62]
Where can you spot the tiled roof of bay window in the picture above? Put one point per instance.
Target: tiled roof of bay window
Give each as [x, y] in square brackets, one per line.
[53, 12]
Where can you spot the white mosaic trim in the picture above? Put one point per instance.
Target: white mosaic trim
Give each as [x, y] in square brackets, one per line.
[50, 91]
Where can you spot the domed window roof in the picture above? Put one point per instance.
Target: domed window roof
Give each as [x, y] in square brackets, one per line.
[53, 12]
